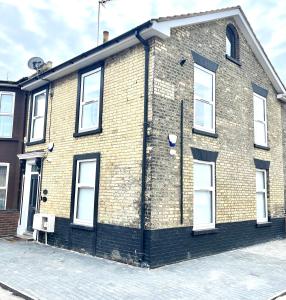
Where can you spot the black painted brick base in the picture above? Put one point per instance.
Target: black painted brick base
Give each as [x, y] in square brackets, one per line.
[163, 246]
[118, 243]
[111, 241]
[177, 244]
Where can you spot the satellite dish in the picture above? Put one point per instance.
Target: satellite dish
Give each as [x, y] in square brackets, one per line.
[35, 63]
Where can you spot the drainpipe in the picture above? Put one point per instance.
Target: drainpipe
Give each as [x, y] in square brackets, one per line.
[182, 165]
[144, 160]
[22, 147]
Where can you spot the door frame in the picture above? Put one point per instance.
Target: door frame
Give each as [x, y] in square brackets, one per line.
[30, 159]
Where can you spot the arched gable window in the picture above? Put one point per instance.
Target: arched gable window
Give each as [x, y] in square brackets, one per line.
[232, 42]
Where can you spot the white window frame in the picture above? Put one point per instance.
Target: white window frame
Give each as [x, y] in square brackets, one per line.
[203, 128]
[259, 121]
[77, 186]
[264, 191]
[7, 180]
[9, 114]
[212, 190]
[82, 102]
[37, 117]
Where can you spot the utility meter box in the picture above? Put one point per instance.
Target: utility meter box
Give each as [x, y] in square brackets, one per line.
[44, 222]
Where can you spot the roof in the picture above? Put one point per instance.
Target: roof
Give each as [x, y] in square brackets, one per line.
[9, 83]
[160, 27]
[188, 15]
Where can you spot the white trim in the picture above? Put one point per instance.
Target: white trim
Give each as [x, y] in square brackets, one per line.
[212, 189]
[243, 24]
[162, 29]
[31, 155]
[206, 129]
[82, 102]
[95, 57]
[264, 122]
[264, 191]
[33, 117]
[9, 85]
[77, 186]
[7, 165]
[9, 114]
[26, 189]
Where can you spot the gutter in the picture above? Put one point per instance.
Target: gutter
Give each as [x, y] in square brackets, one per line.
[86, 54]
[281, 97]
[144, 159]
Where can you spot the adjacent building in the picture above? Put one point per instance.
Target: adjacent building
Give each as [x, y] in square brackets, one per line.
[160, 145]
[12, 114]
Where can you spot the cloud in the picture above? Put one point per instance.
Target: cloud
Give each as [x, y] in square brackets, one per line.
[58, 30]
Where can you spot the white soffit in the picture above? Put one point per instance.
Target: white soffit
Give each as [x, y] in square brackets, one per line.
[93, 58]
[162, 29]
[31, 155]
[237, 14]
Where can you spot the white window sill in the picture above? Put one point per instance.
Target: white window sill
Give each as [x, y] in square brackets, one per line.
[263, 224]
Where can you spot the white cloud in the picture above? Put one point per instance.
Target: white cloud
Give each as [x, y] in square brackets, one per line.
[61, 29]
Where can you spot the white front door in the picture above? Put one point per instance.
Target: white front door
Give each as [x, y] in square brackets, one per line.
[29, 198]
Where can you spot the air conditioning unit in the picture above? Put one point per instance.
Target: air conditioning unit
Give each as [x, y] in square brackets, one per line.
[44, 222]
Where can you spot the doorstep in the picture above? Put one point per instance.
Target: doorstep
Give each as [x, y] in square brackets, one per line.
[27, 236]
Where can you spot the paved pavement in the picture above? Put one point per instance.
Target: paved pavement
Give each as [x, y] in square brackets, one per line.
[43, 272]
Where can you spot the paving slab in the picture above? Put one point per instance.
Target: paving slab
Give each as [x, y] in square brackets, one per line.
[49, 273]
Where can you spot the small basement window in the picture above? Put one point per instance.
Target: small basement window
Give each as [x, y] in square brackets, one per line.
[232, 42]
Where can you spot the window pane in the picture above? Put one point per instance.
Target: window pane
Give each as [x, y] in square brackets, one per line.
[3, 174]
[89, 117]
[39, 105]
[6, 126]
[203, 85]
[85, 204]
[259, 113]
[260, 133]
[228, 46]
[34, 168]
[202, 176]
[38, 128]
[6, 103]
[204, 114]
[260, 206]
[202, 208]
[260, 182]
[91, 86]
[2, 199]
[87, 173]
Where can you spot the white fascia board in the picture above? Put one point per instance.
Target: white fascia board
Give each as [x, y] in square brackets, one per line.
[162, 29]
[259, 53]
[165, 28]
[8, 85]
[31, 155]
[93, 58]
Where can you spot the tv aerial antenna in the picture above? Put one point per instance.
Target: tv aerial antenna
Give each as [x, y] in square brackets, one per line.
[100, 3]
[35, 63]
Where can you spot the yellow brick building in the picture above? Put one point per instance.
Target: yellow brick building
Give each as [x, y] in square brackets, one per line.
[117, 152]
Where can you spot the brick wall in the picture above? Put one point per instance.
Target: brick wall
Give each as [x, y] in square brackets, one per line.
[235, 169]
[165, 246]
[8, 222]
[120, 143]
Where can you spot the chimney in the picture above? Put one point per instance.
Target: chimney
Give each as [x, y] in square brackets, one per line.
[105, 36]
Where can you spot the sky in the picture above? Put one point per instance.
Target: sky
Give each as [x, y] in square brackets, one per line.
[58, 30]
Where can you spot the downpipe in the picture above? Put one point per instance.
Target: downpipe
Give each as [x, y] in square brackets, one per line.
[146, 46]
